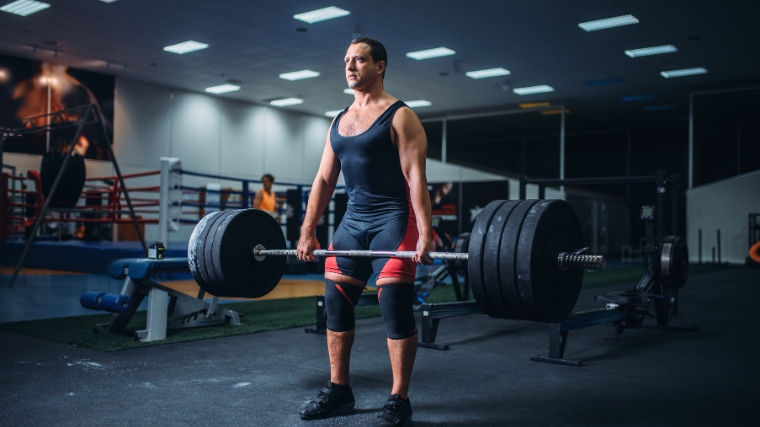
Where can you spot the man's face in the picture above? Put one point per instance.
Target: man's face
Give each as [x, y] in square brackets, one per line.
[361, 70]
[267, 183]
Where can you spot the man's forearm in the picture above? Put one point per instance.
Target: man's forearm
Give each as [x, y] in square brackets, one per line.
[421, 204]
[318, 201]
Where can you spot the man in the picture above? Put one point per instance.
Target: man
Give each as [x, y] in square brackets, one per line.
[265, 198]
[380, 145]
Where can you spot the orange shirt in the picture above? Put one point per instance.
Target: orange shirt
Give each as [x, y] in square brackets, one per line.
[268, 201]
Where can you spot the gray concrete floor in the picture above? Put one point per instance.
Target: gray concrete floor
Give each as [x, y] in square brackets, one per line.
[644, 378]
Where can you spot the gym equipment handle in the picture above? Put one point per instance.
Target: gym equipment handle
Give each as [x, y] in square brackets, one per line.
[564, 260]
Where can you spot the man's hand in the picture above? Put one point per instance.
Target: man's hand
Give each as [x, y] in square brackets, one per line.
[306, 245]
[424, 245]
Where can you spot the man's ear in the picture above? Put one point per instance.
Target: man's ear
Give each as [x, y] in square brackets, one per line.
[381, 66]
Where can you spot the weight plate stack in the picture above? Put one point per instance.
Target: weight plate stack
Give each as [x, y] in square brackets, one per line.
[232, 253]
[508, 260]
[548, 293]
[476, 259]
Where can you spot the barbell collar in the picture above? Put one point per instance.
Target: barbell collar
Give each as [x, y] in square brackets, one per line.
[564, 260]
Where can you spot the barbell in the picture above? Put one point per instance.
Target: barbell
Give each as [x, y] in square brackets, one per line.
[522, 257]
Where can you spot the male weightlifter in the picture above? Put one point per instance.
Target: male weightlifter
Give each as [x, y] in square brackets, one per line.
[380, 145]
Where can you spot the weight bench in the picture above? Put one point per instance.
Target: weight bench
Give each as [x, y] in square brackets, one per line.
[167, 308]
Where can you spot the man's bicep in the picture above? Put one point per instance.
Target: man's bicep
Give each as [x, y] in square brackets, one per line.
[411, 139]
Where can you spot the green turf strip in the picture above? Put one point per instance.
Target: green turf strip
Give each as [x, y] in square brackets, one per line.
[258, 316]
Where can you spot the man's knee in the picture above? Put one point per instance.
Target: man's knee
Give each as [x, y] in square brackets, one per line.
[396, 307]
[340, 301]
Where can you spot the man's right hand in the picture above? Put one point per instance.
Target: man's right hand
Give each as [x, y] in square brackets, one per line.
[306, 245]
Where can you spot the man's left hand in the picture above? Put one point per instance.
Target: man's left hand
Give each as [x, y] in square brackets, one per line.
[423, 247]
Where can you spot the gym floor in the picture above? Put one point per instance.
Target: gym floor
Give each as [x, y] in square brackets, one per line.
[641, 378]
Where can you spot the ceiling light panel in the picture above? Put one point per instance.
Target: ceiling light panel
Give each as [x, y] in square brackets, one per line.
[333, 113]
[490, 72]
[430, 53]
[348, 91]
[299, 75]
[222, 88]
[636, 98]
[683, 72]
[533, 104]
[321, 14]
[533, 89]
[286, 102]
[108, 1]
[418, 103]
[185, 47]
[654, 50]
[602, 24]
[24, 7]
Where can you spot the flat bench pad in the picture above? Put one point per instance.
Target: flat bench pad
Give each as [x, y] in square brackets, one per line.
[142, 268]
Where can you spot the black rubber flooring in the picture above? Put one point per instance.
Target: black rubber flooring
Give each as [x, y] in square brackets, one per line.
[644, 378]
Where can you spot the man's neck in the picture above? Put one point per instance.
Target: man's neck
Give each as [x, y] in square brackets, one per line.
[369, 96]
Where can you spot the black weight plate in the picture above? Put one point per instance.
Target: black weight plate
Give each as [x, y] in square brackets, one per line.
[491, 256]
[475, 259]
[240, 233]
[196, 251]
[508, 260]
[674, 265]
[547, 292]
[215, 279]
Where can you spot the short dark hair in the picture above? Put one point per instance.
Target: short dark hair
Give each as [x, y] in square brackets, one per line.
[268, 175]
[376, 50]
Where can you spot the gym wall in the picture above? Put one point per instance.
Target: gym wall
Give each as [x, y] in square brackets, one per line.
[722, 205]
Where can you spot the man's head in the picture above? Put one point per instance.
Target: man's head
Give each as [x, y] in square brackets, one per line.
[365, 61]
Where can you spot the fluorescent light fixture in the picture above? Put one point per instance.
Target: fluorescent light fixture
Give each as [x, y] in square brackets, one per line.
[534, 104]
[554, 112]
[602, 24]
[348, 91]
[659, 107]
[24, 7]
[603, 82]
[286, 102]
[530, 90]
[430, 53]
[298, 75]
[654, 50]
[108, 1]
[185, 47]
[321, 14]
[418, 103]
[636, 98]
[333, 113]
[683, 72]
[491, 72]
[222, 88]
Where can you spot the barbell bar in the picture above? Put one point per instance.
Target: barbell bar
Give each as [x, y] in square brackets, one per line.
[564, 260]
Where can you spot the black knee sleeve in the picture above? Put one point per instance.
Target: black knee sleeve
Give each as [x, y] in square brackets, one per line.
[396, 307]
[340, 301]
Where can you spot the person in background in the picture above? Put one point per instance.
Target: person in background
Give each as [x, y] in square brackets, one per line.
[265, 198]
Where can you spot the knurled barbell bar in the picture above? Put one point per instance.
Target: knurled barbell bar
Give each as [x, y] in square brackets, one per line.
[520, 257]
[564, 259]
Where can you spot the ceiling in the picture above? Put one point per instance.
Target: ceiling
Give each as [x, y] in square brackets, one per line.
[539, 41]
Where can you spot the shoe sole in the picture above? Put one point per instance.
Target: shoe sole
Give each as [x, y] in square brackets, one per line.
[346, 409]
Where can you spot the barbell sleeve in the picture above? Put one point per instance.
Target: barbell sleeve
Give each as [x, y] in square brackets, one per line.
[564, 260]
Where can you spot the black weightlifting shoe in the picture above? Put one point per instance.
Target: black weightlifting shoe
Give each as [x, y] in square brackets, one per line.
[397, 412]
[330, 401]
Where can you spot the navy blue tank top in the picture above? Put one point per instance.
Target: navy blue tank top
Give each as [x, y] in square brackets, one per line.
[371, 167]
